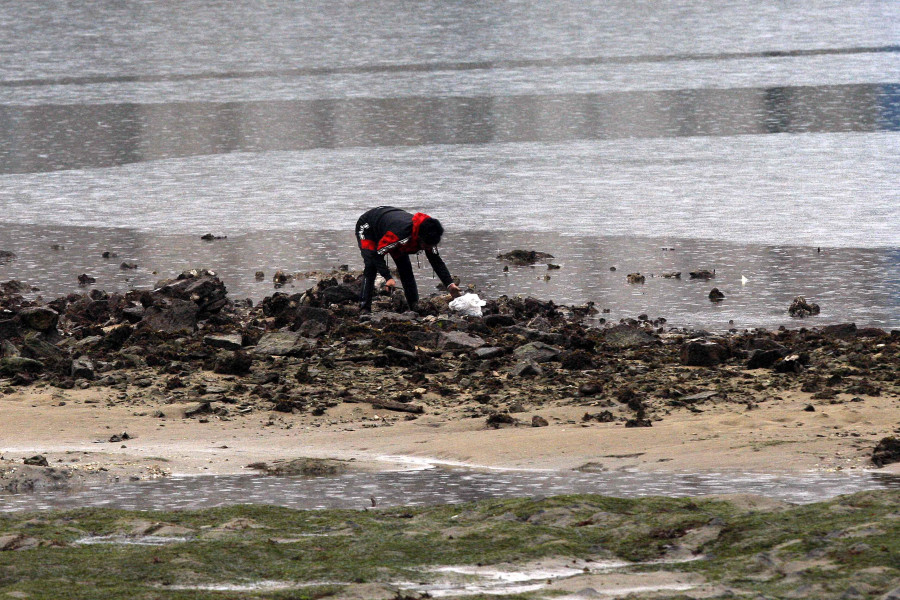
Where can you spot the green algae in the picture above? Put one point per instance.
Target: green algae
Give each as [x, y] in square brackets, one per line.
[846, 546]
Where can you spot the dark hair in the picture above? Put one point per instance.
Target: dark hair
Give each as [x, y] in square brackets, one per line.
[430, 232]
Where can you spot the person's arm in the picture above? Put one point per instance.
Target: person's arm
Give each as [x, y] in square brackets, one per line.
[443, 273]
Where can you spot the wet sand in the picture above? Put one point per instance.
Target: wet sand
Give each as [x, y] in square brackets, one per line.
[72, 430]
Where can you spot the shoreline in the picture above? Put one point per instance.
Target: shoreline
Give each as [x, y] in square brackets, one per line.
[529, 386]
[53, 259]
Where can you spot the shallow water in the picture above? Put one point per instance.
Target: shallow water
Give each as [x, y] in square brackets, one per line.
[850, 284]
[437, 486]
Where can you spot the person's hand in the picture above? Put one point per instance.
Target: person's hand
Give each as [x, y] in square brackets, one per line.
[454, 290]
[390, 284]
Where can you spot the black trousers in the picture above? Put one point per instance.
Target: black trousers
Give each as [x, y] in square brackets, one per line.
[371, 262]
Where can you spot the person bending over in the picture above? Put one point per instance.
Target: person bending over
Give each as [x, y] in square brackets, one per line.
[388, 230]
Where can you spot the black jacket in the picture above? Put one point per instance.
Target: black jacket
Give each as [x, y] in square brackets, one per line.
[388, 230]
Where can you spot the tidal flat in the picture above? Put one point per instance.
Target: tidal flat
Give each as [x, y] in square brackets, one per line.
[577, 546]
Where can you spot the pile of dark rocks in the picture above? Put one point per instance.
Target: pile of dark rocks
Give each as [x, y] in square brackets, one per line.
[309, 351]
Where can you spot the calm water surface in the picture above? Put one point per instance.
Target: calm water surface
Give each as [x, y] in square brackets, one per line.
[437, 486]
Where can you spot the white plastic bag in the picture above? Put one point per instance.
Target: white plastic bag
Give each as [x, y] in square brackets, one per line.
[469, 305]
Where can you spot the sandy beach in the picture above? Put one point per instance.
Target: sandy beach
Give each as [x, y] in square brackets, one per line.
[789, 434]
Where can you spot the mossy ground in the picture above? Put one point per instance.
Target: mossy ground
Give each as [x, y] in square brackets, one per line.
[825, 550]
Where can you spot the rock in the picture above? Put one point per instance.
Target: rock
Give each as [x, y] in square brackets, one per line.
[198, 408]
[283, 343]
[764, 359]
[10, 541]
[7, 256]
[399, 357]
[281, 307]
[339, 294]
[635, 278]
[311, 314]
[489, 352]
[497, 420]
[638, 422]
[499, 320]
[381, 317]
[210, 237]
[125, 266]
[886, 452]
[715, 295]
[15, 287]
[312, 329]
[85, 279]
[699, 397]
[672, 275]
[133, 314]
[537, 351]
[305, 467]
[577, 360]
[39, 318]
[425, 339]
[516, 407]
[841, 331]
[51, 356]
[703, 353]
[232, 363]
[116, 337]
[590, 389]
[539, 421]
[524, 257]
[37, 461]
[628, 336]
[11, 366]
[171, 315]
[82, 368]
[703, 274]
[459, 340]
[765, 343]
[9, 328]
[801, 308]
[231, 341]
[8, 349]
[280, 277]
[202, 288]
[17, 541]
[526, 368]
[601, 417]
[870, 332]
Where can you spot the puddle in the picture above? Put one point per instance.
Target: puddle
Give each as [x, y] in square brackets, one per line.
[143, 540]
[588, 579]
[470, 580]
[437, 486]
[254, 586]
[591, 578]
[589, 593]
